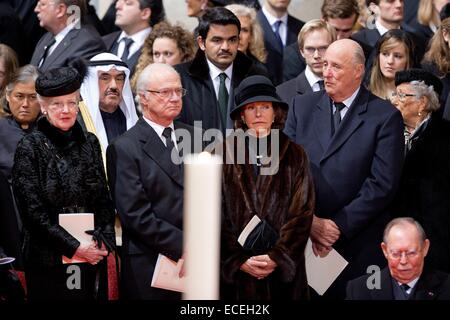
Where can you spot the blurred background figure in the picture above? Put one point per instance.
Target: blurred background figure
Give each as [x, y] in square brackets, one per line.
[393, 53]
[166, 44]
[23, 111]
[437, 61]
[8, 66]
[425, 183]
[251, 37]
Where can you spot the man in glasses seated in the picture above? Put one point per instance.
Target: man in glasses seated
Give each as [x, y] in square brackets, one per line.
[405, 247]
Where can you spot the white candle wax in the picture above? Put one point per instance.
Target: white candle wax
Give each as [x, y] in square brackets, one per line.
[202, 219]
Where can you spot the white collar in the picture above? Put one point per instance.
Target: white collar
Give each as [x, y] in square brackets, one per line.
[214, 71]
[272, 19]
[411, 284]
[348, 102]
[311, 77]
[138, 38]
[157, 127]
[381, 29]
[61, 35]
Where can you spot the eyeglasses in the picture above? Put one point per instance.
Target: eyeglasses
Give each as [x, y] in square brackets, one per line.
[397, 255]
[59, 106]
[312, 50]
[401, 95]
[167, 93]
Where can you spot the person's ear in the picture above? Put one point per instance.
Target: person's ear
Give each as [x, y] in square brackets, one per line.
[384, 248]
[146, 14]
[426, 246]
[61, 10]
[201, 43]
[423, 102]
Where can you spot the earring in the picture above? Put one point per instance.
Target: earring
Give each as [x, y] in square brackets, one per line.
[243, 120]
[419, 114]
[44, 113]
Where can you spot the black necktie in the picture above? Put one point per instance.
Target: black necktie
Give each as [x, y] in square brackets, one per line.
[167, 134]
[46, 50]
[321, 84]
[126, 51]
[405, 287]
[277, 25]
[223, 99]
[337, 116]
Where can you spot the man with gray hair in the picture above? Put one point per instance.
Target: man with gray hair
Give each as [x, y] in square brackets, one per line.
[355, 143]
[147, 183]
[405, 247]
[67, 38]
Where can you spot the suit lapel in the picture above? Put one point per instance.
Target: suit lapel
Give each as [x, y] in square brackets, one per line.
[322, 121]
[155, 149]
[302, 84]
[349, 124]
[268, 33]
[61, 48]
[385, 292]
[427, 287]
[40, 49]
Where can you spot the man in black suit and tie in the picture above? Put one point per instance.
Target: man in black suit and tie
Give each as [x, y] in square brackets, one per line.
[406, 278]
[67, 38]
[355, 144]
[280, 30]
[134, 18]
[146, 183]
[314, 39]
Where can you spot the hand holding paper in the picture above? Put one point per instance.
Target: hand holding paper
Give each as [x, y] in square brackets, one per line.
[324, 231]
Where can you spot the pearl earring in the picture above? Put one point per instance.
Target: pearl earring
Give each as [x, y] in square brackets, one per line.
[419, 113]
[243, 120]
[44, 113]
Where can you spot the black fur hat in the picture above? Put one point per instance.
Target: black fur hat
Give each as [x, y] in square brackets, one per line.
[419, 75]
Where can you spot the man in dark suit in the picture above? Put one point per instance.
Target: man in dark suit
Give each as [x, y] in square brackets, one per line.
[147, 183]
[218, 68]
[280, 30]
[406, 278]
[67, 38]
[134, 18]
[355, 144]
[314, 39]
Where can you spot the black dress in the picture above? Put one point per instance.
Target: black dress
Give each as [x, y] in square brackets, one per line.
[56, 172]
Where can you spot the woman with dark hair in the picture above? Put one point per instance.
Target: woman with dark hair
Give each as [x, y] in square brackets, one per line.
[267, 175]
[9, 63]
[425, 183]
[393, 53]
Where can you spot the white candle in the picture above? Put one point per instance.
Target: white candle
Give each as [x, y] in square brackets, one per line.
[202, 219]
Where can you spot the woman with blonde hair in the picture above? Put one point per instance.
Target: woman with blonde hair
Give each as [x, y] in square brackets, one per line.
[394, 52]
[428, 19]
[251, 37]
[165, 44]
[437, 58]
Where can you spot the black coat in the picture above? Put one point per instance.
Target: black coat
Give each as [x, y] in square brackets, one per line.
[425, 187]
[53, 171]
[432, 285]
[289, 89]
[200, 102]
[293, 62]
[147, 188]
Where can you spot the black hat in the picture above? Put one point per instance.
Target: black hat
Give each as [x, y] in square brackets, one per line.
[445, 12]
[419, 75]
[253, 89]
[220, 3]
[58, 82]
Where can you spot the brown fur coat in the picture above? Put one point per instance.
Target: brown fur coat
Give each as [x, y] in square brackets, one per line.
[286, 201]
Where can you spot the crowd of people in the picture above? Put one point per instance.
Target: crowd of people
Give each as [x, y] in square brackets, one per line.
[334, 130]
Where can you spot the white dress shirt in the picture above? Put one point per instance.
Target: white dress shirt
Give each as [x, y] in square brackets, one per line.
[283, 26]
[159, 131]
[348, 102]
[312, 79]
[214, 73]
[138, 41]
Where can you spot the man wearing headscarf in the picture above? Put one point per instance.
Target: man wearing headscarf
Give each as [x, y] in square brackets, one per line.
[107, 109]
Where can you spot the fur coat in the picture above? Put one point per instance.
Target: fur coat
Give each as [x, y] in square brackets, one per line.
[286, 201]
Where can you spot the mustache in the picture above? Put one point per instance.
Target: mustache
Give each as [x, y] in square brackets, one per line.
[112, 91]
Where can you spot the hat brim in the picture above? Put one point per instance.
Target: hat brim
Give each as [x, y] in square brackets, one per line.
[237, 110]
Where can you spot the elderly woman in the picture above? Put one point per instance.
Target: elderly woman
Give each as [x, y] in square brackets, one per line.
[24, 109]
[266, 175]
[59, 169]
[425, 184]
[393, 53]
[165, 44]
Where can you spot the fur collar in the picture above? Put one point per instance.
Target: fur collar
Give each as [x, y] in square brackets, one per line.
[59, 138]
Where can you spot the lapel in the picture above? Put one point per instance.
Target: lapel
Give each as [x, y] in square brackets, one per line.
[322, 120]
[427, 287]
[291, 35]
[385, 292]
[372, 36]
[156, 150]
[269, 35]
[61, 48]
[349, 124]
[302, 85]
[40, 48]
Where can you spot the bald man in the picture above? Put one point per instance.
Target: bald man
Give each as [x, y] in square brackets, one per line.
[355, 143]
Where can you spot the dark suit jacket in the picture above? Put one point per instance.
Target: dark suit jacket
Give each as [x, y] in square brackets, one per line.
[356, 172]
[274, 52]
[291, 88]
[432, 285]
[78, 43]
[110, 41]
[200, 102]
[293, 62]
[148, 192]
